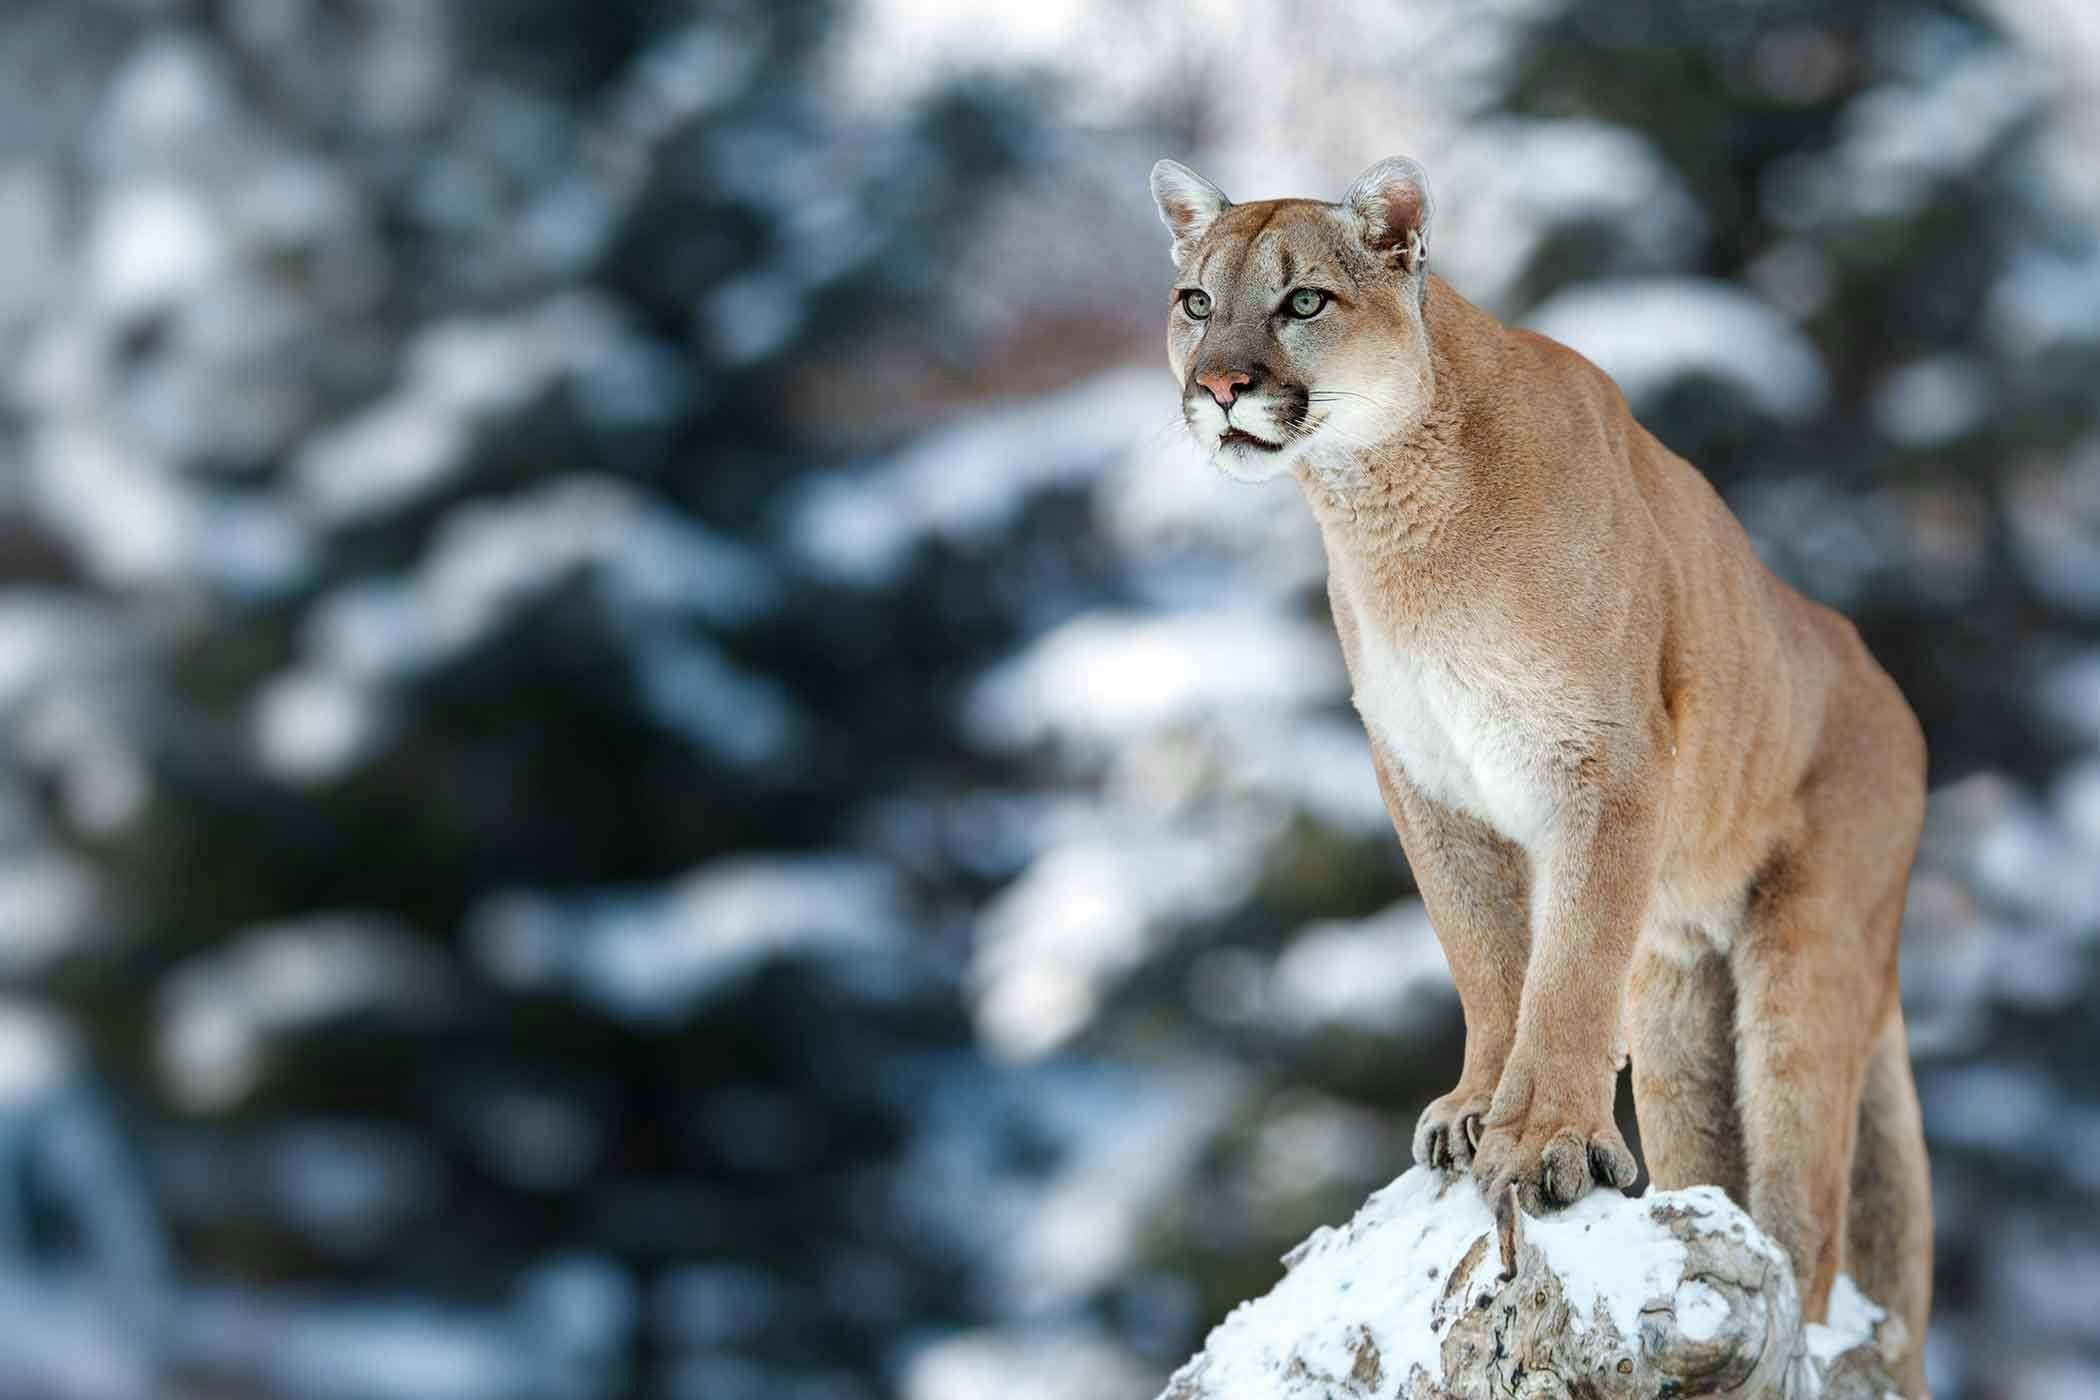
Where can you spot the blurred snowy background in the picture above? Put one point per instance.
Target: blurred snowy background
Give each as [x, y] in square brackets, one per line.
[634, 762]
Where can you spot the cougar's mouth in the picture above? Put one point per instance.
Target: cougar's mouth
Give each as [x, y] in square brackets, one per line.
[1240, 437]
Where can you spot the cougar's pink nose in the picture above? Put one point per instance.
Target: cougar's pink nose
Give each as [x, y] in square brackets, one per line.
[1224, 385]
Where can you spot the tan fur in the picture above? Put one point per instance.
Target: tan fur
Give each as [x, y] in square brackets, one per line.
[1656, 801]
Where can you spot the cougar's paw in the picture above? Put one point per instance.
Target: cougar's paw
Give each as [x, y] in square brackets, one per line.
[1448, 1129]
[1552, 1162]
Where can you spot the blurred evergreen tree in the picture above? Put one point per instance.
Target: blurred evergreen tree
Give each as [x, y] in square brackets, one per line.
[412, 718]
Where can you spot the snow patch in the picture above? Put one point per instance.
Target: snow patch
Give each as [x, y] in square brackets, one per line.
[1424, 1223]
[967, 481]
[1530, 184]
[1104, 678]
[1052, 944]
[1700, 1310]
[221, 1011]
[1069, 1363]
[1608, 1265]
[1653, 333]
[1852, 1320]
[1932, 402]
[656, 958]
[1362, 974]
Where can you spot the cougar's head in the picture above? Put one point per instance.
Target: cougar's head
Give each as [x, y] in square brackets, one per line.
[1296, 325]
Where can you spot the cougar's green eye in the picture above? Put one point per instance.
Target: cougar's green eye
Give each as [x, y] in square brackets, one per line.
[1306, 303]
[1197, 304]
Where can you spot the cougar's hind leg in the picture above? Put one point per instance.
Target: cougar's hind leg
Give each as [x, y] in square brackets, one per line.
[1888, 1240]
[1681, 1035]
[1815, 970]
[1807, 1014]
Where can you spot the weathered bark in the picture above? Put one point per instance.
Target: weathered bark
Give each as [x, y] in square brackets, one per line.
[1422, 1296]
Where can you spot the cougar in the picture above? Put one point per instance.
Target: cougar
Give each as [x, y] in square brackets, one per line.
[1657, 803]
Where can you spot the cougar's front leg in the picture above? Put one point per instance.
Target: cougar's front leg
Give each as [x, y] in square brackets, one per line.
[1474, 885]
[1550, 1131]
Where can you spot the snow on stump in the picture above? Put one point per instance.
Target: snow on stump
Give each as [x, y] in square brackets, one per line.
[1422, 1296]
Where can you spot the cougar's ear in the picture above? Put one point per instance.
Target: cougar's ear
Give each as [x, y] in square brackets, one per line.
[1188, 204]
[1390, 206]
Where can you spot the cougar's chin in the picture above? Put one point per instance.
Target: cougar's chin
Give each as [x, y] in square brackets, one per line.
[1245, 457]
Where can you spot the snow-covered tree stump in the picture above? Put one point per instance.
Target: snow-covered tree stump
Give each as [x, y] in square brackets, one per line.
[1424, 1296]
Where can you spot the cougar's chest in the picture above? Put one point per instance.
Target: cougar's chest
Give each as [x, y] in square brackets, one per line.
[1470, 732]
